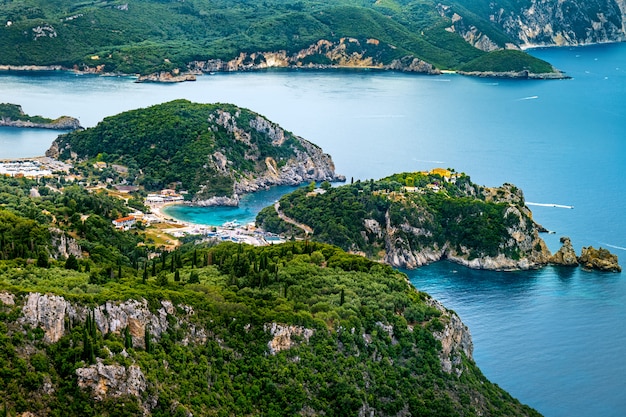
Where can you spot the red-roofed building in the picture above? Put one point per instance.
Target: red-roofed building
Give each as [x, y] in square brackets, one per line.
[125, 223]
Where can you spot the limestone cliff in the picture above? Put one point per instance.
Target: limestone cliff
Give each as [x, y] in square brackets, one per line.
[547, 23]
[346, 52]
[455, 338]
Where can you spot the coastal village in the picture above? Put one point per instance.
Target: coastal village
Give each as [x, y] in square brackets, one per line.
[164, 230]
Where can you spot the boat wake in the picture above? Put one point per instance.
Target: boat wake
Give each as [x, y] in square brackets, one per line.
[528, 98]
[614, 247]
[549, 205]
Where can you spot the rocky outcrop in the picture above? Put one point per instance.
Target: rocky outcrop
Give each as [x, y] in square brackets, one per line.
[455, 338]
[50, 313]
[47, 312]
[283, 336]
[63, 245]
[106, 381]
[599, 259]
[308, 163]
[343, 53]
[566, 255]
[523, 75]
[7, 299]
[166, 77]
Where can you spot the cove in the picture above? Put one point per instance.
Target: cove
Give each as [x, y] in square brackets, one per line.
[554, 338]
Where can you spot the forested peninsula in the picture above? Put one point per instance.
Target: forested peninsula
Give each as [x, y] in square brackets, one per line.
[172, 41]
[12, 115]
[415, 218]
[212, 152]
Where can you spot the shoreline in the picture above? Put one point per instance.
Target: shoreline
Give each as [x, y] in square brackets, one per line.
[238, 234]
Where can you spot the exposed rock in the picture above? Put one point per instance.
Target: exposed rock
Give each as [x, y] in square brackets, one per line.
[112, 380]
[560, 23]
[7, 298]
[166, 77]
[600, 259]
[526, 75]
[48, 312]
[63, 245]
[282, 336]
[566, 255]
[342, 53]
[218, 201]
[455, 339]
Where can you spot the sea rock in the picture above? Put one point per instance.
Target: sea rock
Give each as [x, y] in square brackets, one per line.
[600, 259]
[566, 255]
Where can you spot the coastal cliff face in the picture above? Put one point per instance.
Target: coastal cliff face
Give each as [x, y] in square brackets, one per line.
[563, 23]
[343, 53]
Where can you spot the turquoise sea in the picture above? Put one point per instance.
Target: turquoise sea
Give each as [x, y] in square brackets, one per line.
[554, 338]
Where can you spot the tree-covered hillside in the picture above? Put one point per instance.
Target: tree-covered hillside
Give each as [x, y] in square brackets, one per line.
[409, 219]
[295, 329]
[205, 149]
[147, 36]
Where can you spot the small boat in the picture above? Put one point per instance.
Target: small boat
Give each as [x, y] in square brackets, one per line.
[231, 224]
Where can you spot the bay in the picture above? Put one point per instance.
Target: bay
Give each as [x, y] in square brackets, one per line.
[553, 338]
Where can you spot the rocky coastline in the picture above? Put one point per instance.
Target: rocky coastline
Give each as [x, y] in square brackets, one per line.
[7, 118]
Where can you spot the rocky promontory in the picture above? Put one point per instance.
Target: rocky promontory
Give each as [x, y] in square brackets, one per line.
[412, 219]
[216, 152]
[12, 115]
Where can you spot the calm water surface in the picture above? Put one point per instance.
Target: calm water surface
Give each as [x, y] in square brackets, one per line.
[554, 338]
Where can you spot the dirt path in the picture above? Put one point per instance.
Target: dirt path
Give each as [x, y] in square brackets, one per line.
[289, 220]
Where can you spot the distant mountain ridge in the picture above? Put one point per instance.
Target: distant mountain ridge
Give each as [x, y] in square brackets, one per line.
[150, 36]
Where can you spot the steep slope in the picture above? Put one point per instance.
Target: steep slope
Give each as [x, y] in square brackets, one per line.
[211, 150]
[412, 219]
[151, 36]
[295, 329]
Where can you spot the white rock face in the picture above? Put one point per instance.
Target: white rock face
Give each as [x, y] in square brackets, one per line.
[48, 312]
[455, 340]
[283, 336]
[7, 299]
[111, 380]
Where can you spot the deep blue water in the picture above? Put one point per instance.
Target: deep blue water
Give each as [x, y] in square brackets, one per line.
[553, 338]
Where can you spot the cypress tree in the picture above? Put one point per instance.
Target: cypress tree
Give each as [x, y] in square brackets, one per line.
[147, 341]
